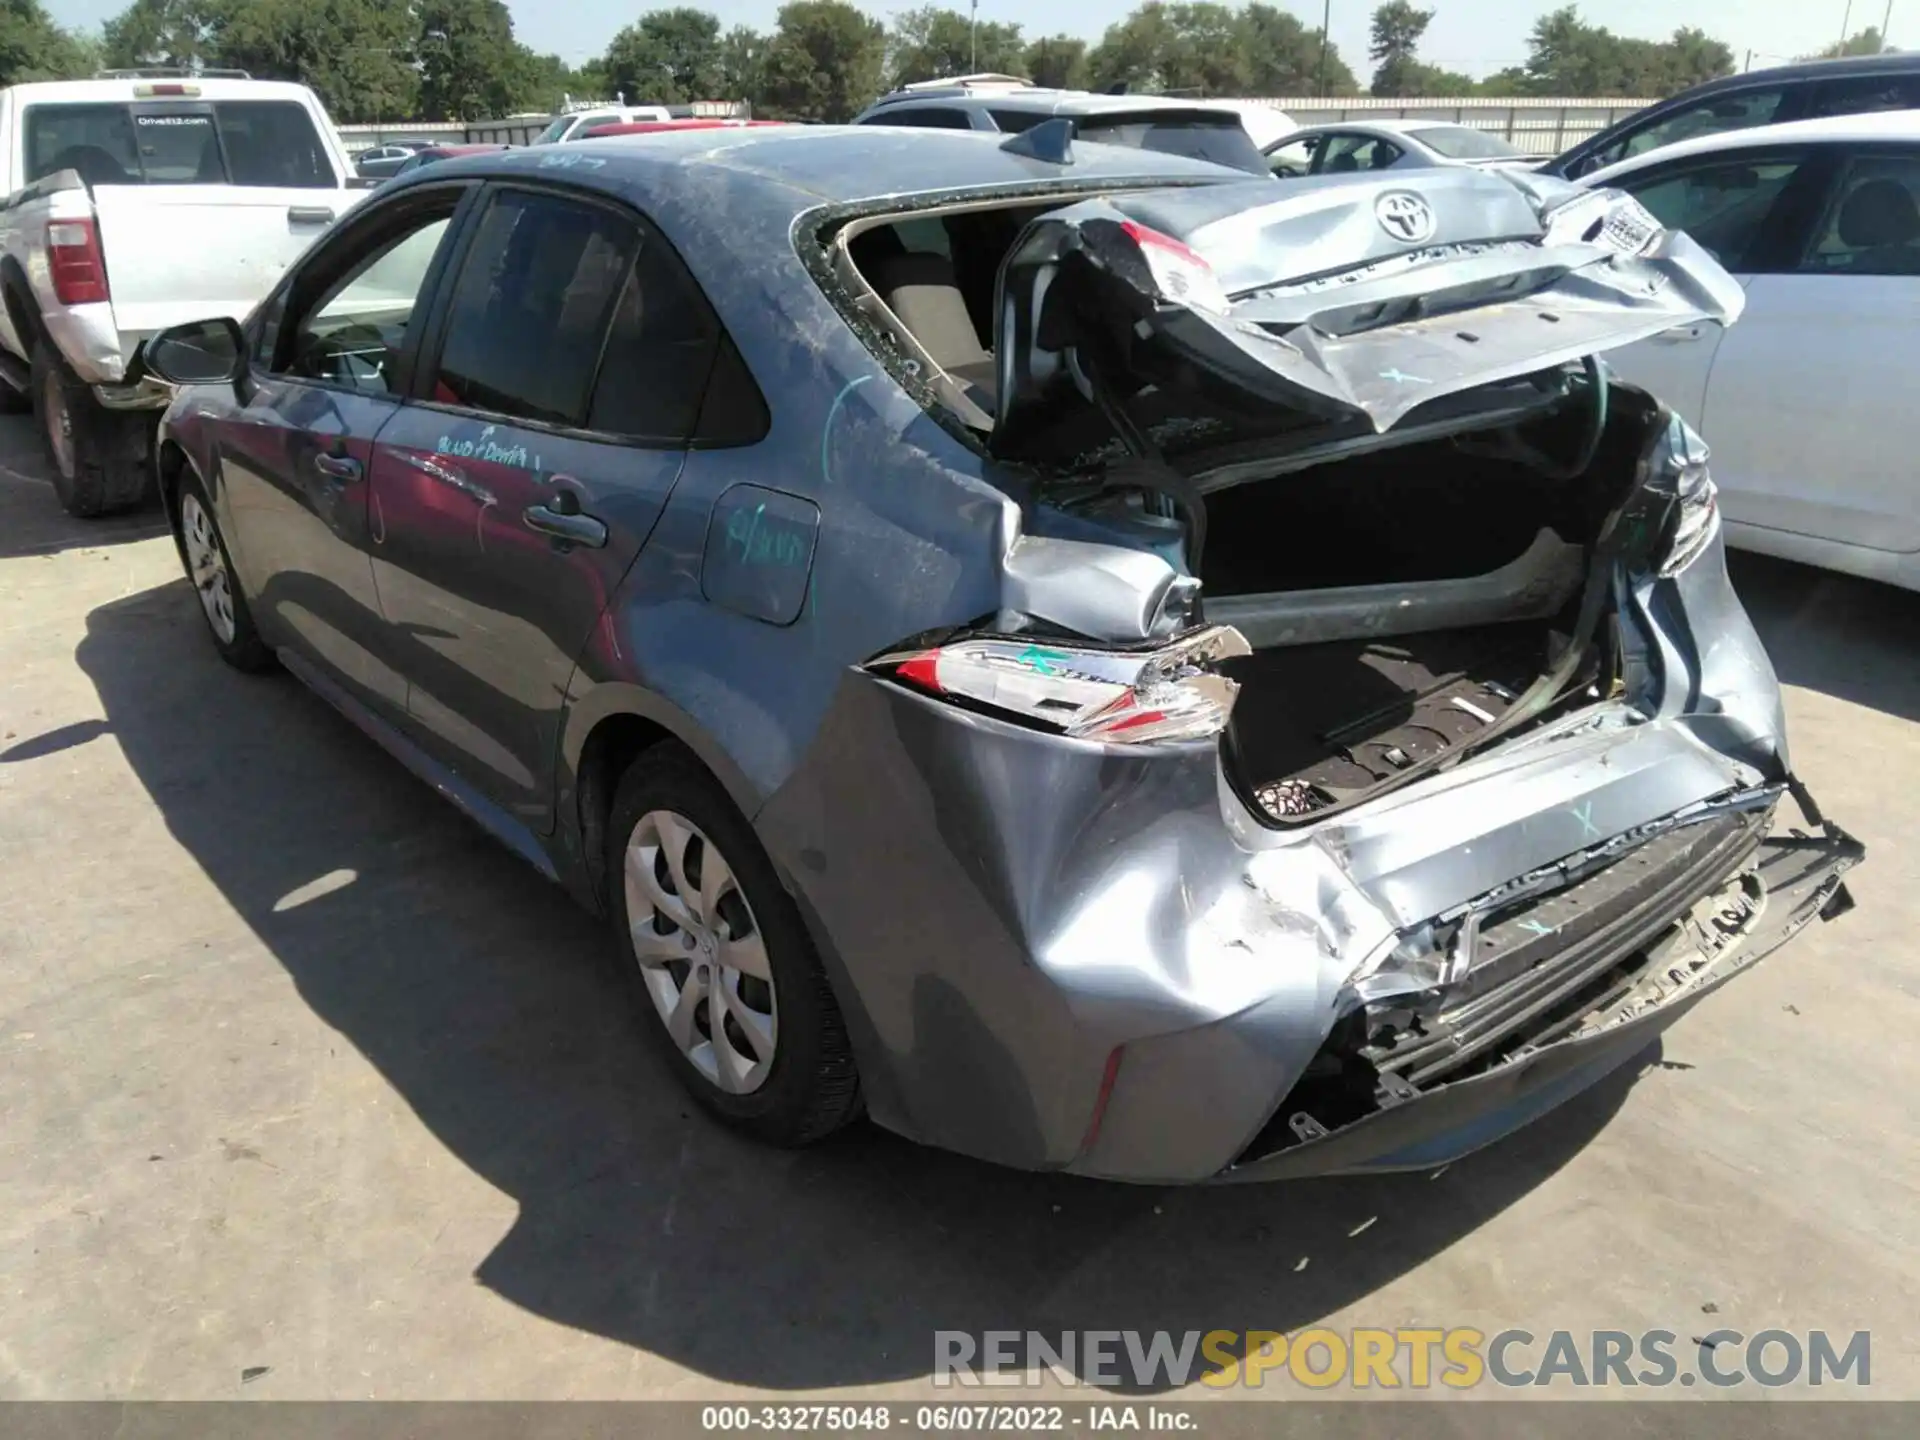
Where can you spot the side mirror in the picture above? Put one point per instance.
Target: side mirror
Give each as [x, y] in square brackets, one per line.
[204, 352]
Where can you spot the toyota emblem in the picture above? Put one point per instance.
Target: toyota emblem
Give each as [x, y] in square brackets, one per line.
[1404, 216]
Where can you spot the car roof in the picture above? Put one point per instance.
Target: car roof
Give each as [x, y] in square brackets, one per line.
[1892, 62]
[824, 164]
[106, 90]
[1827, 130]
[661, 127]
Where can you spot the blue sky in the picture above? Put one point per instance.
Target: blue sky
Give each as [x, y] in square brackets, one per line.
[1478, 36]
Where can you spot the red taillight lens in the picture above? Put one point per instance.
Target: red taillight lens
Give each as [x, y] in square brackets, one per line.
[1124, 697]
[79, 272]
[1180, 271]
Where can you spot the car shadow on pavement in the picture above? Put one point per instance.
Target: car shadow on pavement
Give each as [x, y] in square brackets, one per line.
[1853, 639]
[483, 996]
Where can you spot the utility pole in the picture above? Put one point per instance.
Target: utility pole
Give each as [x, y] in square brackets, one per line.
[1846, 18]
[1749, 65]
[973, 38]
[1885, 21]
[1326, 19]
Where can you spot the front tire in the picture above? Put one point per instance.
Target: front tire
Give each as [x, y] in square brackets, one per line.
[719, 966]
[216, 585]
[102, 459]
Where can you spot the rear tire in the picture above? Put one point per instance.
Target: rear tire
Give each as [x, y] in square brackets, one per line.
[717, 961]
[216, 586]
[101, 458]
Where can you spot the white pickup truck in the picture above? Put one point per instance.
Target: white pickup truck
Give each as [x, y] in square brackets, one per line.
[136, 201]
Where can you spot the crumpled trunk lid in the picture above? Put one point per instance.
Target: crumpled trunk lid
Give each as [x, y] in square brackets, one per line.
[1237, 310]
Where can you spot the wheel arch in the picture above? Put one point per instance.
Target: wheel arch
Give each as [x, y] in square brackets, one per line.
[23, 311]
[604, 733]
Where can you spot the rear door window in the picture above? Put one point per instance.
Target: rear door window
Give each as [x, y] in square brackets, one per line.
[231, 142]
[531, 308]
[1739, 111]
[930, 117]
[1864, 94]
[1344, 154]
[1872, 223]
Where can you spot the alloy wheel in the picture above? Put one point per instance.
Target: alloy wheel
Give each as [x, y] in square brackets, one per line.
[700, 952]
[207, 566]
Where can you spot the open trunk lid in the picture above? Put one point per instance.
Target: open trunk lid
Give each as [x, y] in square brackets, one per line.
[1215, 315]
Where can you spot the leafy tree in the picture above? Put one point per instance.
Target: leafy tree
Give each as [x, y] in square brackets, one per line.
[1134, 51]
[545, 83]
[1398, 27]
[670, 57]
[32, 47]
[825, 61]
[1283, 55]
[1569, 57]
[1867, 42]
[930, 42]
[742, 50]
[184, 34]
[358, 55]
[1059, 61]
[471, 67]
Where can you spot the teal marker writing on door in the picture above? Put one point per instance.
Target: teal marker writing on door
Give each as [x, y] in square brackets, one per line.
[764, 546]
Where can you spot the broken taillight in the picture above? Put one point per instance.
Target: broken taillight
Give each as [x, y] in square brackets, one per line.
[1125, 697]
[77, 269]
[1178, 269]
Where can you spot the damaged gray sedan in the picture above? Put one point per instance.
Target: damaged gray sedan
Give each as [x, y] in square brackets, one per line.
[1103, 665]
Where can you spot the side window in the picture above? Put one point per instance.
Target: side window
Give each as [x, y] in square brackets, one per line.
[531, 307]
[592, 122]
[354, 332]
[659, 352]
[1343, 154]
[929, 117]
[1294, 158]
[1013, 122]
[1872, 226]
[1738, 111]
[1863, 94]
[1724, 204]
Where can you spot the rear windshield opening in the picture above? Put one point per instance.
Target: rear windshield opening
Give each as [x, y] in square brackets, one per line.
[1463, 142]
[1214, 136]
[228, 142]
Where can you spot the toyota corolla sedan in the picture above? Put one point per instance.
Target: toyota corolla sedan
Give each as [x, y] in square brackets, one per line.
[1093, 661]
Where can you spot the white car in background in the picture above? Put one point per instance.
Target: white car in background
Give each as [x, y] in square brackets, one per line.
[1340, 147]
[1810, 402]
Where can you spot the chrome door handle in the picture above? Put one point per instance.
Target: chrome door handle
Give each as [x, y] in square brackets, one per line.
[309, 215]
[337, 467]
[1681, 334]
[574, 528]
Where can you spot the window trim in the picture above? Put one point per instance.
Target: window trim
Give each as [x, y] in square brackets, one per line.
[294, 296]
[426, 363]
[1585, 157]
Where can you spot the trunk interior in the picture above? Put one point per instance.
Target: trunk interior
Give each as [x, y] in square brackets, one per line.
[1398, 603]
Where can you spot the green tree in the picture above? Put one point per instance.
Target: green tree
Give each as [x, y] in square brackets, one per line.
[471, 67]
[1283, 55]
[1867, 42]
[32, 47]
[742, 51]
[825, 61]
[1134, 51]
[1397, 30]
[358, 55]
[181, 33]
[670, 57]
[1567, 56]
[932, 42]
[1059, 61]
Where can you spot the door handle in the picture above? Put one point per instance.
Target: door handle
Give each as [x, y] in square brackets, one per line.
[309, 215]
[1681, 334]
[570, 526]
[337, 467]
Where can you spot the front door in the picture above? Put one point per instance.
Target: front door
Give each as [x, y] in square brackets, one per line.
[514, 492]
[293, 461]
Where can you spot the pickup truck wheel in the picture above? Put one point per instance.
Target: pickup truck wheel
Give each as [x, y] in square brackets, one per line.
[101, 458]
[210, 571]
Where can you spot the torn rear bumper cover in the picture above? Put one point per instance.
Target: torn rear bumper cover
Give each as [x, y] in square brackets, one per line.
[1788, 882]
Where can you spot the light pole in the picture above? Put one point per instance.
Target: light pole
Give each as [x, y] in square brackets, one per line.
[1326, 19]
[1885, 21]
[1846, 18]
[973, 37]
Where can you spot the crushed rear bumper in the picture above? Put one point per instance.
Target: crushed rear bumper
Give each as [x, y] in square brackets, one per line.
[1651, 961]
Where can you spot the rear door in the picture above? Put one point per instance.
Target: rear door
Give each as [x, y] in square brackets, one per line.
[1812, 397]
[202, 205]
[332, 354]
[1736, 206]
[549, 425]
